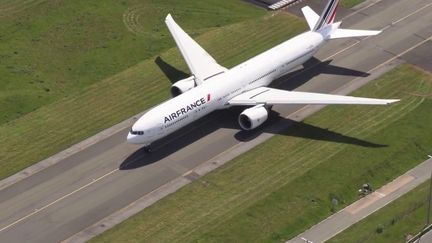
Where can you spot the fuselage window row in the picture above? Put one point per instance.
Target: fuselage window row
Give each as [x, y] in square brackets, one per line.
[263, 76]
[176, 121]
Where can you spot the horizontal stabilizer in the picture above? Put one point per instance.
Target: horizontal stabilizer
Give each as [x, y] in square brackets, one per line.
[343, 33]
[310, 16]
[269, 96]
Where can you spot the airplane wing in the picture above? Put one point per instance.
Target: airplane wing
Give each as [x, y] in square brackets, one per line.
[269, 96]
[200, 63]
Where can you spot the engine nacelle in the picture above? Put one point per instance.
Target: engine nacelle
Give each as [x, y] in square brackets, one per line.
[182, 86]
[253, 117]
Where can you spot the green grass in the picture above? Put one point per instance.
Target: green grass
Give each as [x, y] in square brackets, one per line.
[350, 3]
[286, 184]
[51, 128]
[405, 216]
[52, 49]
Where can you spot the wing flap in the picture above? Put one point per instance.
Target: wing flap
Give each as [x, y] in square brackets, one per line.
[269, 96]
[200, 63]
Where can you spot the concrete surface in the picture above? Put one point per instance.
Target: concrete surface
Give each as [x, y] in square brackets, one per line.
[426, 238]
[109, 176]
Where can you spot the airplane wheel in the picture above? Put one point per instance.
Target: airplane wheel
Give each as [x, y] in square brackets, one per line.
[148, 149]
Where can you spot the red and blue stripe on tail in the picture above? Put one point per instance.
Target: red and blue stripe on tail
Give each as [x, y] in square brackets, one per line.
[328, 15]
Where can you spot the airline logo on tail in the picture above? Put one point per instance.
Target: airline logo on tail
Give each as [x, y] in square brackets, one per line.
[328, 15]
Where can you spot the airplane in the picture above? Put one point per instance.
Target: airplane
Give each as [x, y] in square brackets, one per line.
[214, 87]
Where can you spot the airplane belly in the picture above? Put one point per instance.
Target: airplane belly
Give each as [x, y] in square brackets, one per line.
[300, 61]
[295, 63]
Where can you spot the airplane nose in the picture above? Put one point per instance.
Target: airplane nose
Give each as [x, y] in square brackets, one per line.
[131, 138]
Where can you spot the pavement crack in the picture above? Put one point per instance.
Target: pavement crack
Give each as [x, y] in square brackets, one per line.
[385, 50]
[192, 176]
[421, 37]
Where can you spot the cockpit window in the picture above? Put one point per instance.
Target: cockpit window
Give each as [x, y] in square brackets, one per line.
[136, 132]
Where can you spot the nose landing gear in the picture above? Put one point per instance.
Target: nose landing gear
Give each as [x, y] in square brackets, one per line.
[147, 149]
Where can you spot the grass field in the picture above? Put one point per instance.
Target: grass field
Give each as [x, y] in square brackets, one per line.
[405, 216]
[285, 185]
[78, 115]
[50, 50]
[61, 59]
[350, 3]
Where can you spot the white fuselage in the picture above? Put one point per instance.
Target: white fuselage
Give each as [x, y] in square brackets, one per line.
[215, 92]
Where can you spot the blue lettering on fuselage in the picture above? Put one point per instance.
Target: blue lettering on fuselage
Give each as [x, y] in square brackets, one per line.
[185, 110]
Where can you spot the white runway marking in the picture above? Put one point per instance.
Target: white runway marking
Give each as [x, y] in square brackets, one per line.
[58, 200]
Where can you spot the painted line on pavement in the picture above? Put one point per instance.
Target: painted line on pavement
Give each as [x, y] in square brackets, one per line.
[58, 200]
[117, 169]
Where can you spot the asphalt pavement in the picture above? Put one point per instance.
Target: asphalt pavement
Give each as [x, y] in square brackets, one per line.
[110, 175]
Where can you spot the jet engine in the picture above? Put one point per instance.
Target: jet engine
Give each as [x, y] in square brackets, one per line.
[253, 117]
[182, 86]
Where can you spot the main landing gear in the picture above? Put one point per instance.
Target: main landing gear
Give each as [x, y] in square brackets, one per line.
[269, 107]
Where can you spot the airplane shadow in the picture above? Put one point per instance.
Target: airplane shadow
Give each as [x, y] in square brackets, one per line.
[172, 73]
[228, 118]
[311, 68]
[176, 141]
[288, 127]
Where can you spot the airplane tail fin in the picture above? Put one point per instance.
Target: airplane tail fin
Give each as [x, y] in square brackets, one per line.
[310, 16]
[324, 23]
[327, 16]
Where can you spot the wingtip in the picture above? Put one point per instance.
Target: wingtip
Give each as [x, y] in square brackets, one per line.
[392, 101]
[376, 32]
[168, 17]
